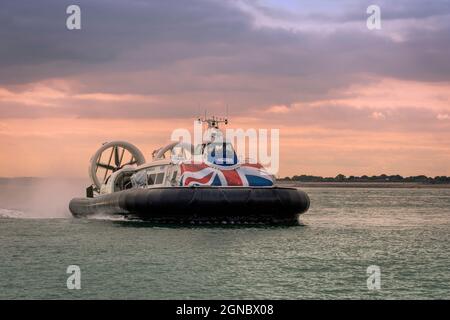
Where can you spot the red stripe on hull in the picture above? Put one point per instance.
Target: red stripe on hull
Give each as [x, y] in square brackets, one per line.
[232, 177]
[203, 180]
[192, 167]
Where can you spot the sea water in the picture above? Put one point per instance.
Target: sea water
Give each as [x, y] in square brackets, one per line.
[403, 232]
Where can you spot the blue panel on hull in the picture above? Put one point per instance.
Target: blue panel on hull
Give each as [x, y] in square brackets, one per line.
[256, 181]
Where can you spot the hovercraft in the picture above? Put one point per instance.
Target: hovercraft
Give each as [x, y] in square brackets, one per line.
[175, 189]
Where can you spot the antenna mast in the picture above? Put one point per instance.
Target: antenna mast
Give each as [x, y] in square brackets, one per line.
[213, 122]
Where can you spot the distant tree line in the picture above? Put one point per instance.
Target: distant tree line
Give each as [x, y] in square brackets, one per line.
[380, 178]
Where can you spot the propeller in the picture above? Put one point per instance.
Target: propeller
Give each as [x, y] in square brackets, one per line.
[115, 152]
[117, 159]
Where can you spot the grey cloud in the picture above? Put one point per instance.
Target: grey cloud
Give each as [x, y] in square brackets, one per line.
[200, 52]
[33, 33]
[326, 11]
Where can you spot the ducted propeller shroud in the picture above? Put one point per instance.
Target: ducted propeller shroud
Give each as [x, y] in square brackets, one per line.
[111, 157]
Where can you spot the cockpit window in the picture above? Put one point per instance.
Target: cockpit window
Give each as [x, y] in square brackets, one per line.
[221, 153]
[159, 178]
[151, 179]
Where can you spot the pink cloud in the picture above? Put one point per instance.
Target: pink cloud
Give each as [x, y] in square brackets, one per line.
[340, 133]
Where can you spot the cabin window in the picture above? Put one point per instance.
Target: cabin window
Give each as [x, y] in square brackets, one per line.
[174, 176]
[151, 179]
[159, 178]
[139, 179]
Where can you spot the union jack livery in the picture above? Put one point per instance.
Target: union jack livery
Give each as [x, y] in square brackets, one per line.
[245, 175]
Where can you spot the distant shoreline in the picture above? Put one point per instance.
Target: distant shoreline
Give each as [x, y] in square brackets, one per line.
[299, 184]
[284, 183]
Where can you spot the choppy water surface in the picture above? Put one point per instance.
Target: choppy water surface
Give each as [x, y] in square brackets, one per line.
[406, 232]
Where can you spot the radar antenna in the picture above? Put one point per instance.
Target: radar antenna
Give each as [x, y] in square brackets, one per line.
[213, 122]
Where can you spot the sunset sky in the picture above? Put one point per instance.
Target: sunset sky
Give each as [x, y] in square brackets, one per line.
[346, 99]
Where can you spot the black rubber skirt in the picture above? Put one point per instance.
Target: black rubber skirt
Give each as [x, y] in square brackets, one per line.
[233, 205]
